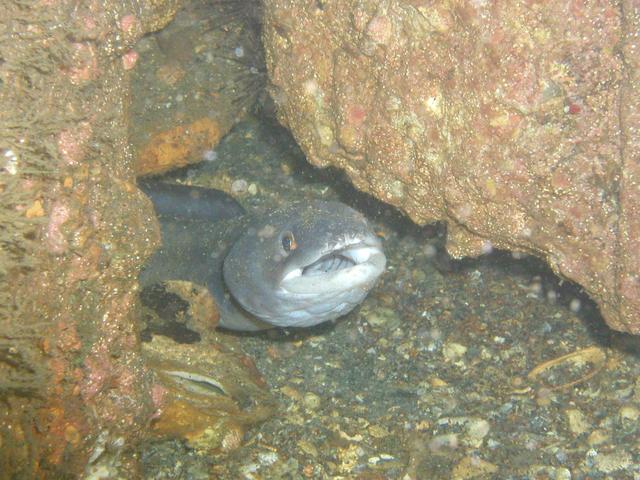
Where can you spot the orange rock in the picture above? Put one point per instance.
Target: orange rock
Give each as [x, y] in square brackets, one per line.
[177, 147]
[72, 435]
[35, 210]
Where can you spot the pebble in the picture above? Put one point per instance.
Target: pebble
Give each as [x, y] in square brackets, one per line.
[598, 437]
[636, 390]
[454, 351]
[311, 401]
[473, 467]
[308, 448]
[545, 471]
[578, 423]
[268, 458]
[378, 431]
[436, 382]
[383, 457]
[248, 470]
[629, 414]
[441, 442]
[210, 155]
[383, 317]
[239, 186]
[613, 462]
[477, 429]
[291, 392]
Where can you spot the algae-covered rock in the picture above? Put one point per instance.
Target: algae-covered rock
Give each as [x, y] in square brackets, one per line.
[75, 230]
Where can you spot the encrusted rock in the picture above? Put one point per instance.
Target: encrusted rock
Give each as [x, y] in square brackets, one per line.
[516, 123]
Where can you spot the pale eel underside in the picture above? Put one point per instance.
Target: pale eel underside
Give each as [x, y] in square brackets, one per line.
[296, 266]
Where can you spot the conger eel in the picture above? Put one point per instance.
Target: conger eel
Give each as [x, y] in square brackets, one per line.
[296, 266]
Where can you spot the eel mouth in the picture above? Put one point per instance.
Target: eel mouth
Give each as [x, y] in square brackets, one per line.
[342, 267]
[338, 260]
[331, 262]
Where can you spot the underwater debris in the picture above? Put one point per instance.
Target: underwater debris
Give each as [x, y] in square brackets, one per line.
[210, 396]
[595, 357]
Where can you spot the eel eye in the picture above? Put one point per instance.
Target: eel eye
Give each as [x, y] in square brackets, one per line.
[289, 242]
